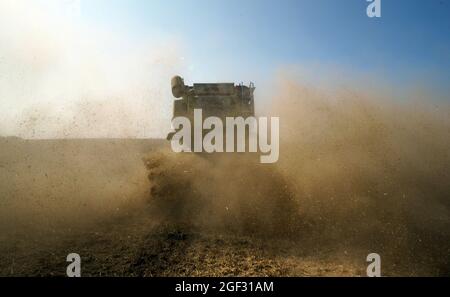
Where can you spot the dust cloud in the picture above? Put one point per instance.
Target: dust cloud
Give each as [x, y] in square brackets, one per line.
[63, 77]
[359, 172]
[374, 151]
[369, 169]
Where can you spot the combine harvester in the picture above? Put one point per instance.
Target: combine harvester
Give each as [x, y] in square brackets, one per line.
[218, 100]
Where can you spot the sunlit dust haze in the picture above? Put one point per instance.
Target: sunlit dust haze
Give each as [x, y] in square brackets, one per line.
[359, 170]
[60, 78]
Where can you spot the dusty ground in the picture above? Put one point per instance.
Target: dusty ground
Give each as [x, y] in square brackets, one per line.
[93, 197]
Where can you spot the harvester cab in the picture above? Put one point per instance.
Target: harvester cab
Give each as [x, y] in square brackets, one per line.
[214, 99]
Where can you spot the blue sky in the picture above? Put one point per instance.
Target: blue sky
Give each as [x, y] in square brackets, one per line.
[244, 40]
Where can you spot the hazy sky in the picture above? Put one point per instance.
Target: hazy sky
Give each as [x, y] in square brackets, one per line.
[101, 68]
